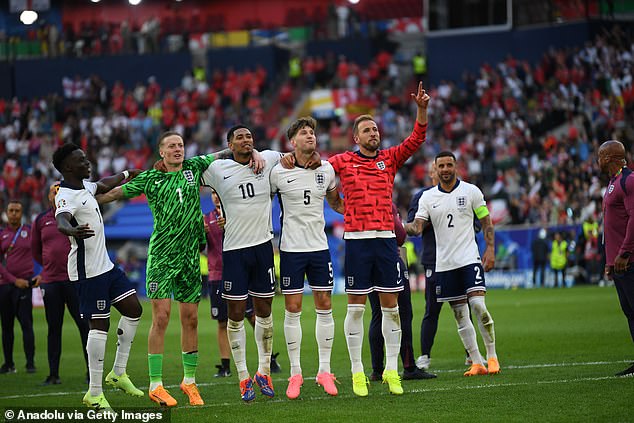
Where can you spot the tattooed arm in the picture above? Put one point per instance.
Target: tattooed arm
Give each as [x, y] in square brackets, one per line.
[488, 258]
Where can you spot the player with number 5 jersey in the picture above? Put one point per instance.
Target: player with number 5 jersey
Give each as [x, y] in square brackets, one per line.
[304, 250]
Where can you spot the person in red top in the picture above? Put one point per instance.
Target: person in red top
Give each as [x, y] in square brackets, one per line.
[371, 262]
[618, 228]
[16, 270]
[50, 248]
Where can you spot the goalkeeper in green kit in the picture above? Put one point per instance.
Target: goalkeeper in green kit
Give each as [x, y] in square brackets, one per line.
[173, 266]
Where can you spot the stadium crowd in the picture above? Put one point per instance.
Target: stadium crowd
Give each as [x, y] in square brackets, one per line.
[526, 132]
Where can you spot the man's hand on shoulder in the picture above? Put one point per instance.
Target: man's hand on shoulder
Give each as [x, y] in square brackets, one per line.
[288, 161]
[257, 162]
[314, 162]
[134, 173]
[160, 166]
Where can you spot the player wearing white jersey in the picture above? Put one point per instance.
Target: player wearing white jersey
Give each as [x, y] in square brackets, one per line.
[304, 250]
[101, 283]
[450, 208]
[247, 253]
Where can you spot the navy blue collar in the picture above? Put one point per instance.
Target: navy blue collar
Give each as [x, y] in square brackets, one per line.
[453, 188]
[65, 184]
[368, 157]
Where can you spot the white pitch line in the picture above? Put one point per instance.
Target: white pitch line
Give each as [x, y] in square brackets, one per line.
[415, 391]
[510, 367]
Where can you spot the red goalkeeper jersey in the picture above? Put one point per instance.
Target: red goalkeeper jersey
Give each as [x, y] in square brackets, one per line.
[367, 184]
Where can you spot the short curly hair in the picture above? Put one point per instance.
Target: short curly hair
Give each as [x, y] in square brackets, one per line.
[62, 153]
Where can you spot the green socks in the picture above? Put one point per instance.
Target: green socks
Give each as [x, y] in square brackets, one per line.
[190, 362]
[155, 364]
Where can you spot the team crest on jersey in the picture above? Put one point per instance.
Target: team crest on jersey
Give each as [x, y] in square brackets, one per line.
[286, 281]
[461, 202]
[381, 165]
[228, 285]
[101, 305]
[610, 188]
[24, 234]
[189, 176]
[61, 203]
[153, 286]
[350, 280]
[214, 311]
[320, 180]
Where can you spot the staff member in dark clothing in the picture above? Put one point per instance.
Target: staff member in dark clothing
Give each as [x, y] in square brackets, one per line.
[50, 248]
[410, 371]
[618, 228]
[539, 248]
[16, 270]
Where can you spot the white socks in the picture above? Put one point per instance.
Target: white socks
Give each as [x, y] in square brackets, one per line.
[325, 334]
[264, 341]
[485, 323]
[467, 332]
[125, 334]
[96, 349]
[238, 341]
[391, 328]
[293, 335]
[353, 328]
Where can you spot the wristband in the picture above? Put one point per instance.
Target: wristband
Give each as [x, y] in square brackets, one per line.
[126, 174]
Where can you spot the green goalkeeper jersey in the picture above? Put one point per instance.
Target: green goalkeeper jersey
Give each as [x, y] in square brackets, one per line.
[174, 198]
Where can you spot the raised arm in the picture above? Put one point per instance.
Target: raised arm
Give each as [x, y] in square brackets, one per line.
[257, 161]
[113, 195]
[488, 258]
[106, 184]
[335, 201]
[422, 101]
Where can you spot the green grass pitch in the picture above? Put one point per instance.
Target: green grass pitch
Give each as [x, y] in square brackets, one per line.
[558, 349]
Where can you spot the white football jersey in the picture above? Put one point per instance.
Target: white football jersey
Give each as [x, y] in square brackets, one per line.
[245, 199]
[302, 192]
[87, 257]
[451, 214]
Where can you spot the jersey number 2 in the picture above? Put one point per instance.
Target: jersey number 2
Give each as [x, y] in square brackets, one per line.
[450, 223]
